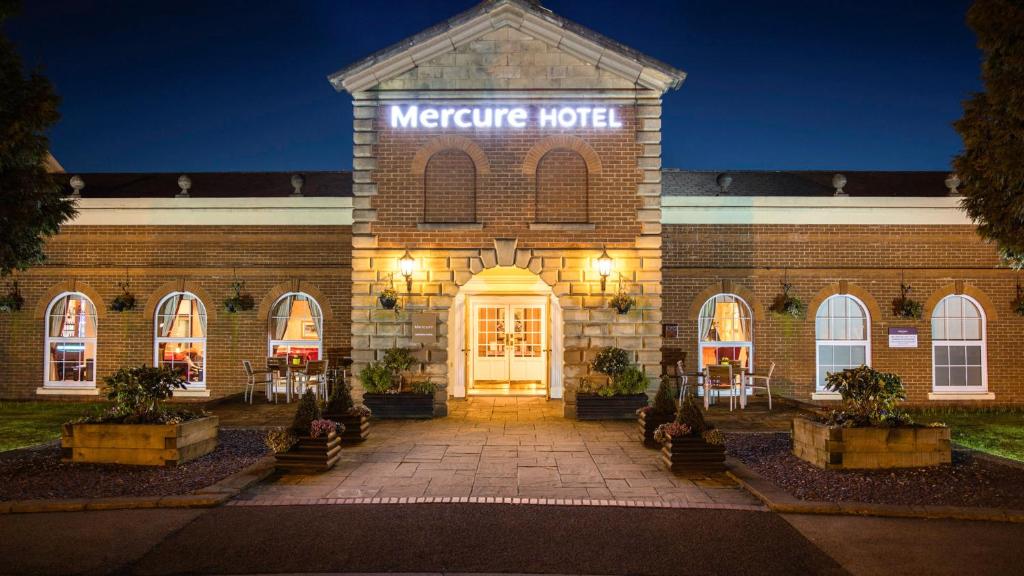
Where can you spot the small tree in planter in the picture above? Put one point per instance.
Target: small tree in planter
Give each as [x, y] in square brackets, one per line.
[870, 430]
[689, 444]
[340, 408]
[661, 411]
[617, 394]
[138, 428]
[903, 306]
[317, 444]
[385, 395]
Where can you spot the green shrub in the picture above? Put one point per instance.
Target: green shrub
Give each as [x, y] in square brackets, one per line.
[340, 400]
[306, 413]
[376, 378]
[423, 387]
[663, 402]
[138, 393]
[398, 360]
[691, 415]
[632, 380]
[611, 361]
[869, 398]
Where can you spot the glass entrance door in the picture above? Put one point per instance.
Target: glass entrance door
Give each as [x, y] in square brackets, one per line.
[509, 354]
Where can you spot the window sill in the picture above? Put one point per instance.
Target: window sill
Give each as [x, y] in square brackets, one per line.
[69, 391]
[450, 226]
[564, 226]
[825, 396]
[196, 393]
[961, 396]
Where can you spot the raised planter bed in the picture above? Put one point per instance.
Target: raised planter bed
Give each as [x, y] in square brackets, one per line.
[311, 454]
[831, 447]
[692, 454]
[357, 428]
[139, 444]
[595, 407]
[401, 405]
[648, 423]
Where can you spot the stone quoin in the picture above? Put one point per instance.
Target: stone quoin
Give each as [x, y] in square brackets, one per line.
[497, 160]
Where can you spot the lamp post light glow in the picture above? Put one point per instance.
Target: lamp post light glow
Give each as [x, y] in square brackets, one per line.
[604, 268]
[407, 265]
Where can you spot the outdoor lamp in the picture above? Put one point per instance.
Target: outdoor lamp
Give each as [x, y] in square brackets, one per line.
[407, 264]
[604, 268]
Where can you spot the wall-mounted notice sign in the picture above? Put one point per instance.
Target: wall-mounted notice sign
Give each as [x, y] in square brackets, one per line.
[424, 327]
[902, 337]
[476, 117]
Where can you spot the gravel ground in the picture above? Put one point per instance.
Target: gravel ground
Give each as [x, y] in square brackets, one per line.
[966, 482]
[38, 473]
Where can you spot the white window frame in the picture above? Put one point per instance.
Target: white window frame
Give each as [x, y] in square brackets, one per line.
[158, 340]
[701, 344]
[819, 387]
[983, 343]
[302, 343]
[69, 384]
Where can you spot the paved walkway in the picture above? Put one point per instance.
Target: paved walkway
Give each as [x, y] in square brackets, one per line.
[503, 447]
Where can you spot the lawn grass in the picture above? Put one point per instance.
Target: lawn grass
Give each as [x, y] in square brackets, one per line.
[999, 432]
[27, 423]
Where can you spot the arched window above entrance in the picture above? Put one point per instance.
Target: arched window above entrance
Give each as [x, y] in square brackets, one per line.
[562, 186]
[449, 188]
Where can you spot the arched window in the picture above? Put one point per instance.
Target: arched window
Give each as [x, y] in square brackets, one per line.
[842, 332]
[449, 188]
[725, 331]
[296, 327]
[958, 346]
[180, 337]
[562, 187]
[71, 341]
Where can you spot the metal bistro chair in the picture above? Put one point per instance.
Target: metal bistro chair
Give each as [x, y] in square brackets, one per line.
[314, 375]
[278, 369]
[683, 380]
[719, 377]
[767, 377]
[266, 378]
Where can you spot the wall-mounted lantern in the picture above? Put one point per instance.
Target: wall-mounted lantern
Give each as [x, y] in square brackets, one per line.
[407, 265]
[604, 268]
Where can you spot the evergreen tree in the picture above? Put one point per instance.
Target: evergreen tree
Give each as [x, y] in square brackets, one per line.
[990, 168]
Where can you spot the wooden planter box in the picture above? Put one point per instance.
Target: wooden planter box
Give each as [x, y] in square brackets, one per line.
[357, 428]
[870, 448]
[139, 444]
[311, 454]
[649, 423]
[691, 454]
[594, 407]
[401, 405]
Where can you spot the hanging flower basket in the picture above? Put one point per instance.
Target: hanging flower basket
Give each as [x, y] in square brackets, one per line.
[239, 302]
[787, 305]
[12, 301]
[622, 303]
[903, 306]
[1018, 302]
[389, 299]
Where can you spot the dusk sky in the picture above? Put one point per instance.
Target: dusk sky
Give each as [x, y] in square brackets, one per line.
[194, 85]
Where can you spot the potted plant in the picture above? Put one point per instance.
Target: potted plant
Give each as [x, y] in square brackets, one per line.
[870, 430]
[12, 301]
[124, 301]
[137, 428]
[315, 441]
[689, 444]
[354, 417]
[903, 306]
[385, 395]
[617, 390]
[787, 305]
[239, 302]
[661, 411]
[388, 299]
[1018, 302]
[622, 302]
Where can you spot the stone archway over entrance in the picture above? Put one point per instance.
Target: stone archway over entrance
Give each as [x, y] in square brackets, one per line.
[505, 325]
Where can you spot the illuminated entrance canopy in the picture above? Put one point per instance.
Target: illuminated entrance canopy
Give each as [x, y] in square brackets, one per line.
[474, 117]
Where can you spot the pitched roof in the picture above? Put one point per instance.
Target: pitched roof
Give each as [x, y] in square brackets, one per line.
[527, 15]
[803, 183]
[209, 184]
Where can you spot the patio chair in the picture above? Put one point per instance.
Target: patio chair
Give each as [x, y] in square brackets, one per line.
[265, 377]
[278, 369]
[719, 377]
[314, 375]
[683, 380]
[767, 377]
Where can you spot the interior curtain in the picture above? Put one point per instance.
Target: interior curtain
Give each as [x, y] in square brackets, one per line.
[57, 312]
[318, 321]
[169, 313]
[199, 316]
[282, 315]
[730, 322]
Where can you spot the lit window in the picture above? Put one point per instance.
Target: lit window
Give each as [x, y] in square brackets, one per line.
[958, 346]
[296, 328]
[842, 331]
[71, 342]
[180, 337]
[725, 331]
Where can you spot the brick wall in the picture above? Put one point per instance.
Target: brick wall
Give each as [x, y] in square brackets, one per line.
[866, 261]
[159, 260]
[449, 188]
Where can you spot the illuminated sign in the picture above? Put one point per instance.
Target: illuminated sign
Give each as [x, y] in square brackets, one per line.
[474, 117]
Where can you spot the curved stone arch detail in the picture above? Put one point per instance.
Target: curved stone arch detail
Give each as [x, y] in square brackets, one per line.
[561, 142]
[842, 288]
[961, 289]
[442, 143]
[161, 291]
[278, 290]
[727, 287]
[70, 286]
